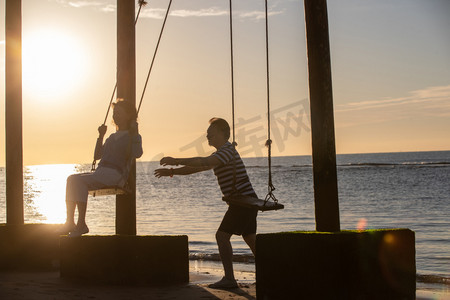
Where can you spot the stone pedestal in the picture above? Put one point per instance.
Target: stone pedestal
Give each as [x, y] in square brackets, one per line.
[374, 264]
[123, 259]
[29, 247]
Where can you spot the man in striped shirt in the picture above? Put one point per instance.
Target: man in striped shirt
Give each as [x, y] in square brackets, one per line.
[232, 177]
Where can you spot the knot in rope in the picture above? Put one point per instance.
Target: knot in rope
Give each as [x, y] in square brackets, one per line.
[93, 165]
[270, 195]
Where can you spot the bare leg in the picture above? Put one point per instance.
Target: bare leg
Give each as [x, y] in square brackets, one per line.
[81, 227]
[82, 207]
[70, 204]
[251, 242]
[70, 218]
[226, 253]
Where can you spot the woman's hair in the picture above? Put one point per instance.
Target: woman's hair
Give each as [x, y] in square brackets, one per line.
[128, 107]
[221, 125]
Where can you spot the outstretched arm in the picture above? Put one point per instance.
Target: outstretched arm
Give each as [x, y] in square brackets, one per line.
[191, 165]
[179, 171]
[210, 161]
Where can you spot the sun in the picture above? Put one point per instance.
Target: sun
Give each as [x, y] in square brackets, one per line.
[53, 63]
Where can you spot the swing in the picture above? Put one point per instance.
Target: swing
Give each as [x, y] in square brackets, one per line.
[110, 190]
[121, 190]
[235, 198]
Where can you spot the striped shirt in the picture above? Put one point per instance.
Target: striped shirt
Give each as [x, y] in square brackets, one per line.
[224, 172]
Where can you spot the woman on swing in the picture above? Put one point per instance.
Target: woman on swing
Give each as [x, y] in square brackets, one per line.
[113, 169]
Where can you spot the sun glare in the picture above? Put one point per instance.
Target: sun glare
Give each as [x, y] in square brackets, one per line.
[53, 63]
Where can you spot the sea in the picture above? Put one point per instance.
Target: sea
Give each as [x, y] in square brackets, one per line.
[381, 190]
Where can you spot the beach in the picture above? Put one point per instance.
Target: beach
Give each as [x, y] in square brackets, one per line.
[49, 285]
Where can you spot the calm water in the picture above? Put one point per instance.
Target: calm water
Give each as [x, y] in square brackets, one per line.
[409, 190]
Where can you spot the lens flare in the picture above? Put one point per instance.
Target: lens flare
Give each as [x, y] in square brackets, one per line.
[362, 224]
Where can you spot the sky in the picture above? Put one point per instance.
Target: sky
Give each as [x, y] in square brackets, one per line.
[390, 72]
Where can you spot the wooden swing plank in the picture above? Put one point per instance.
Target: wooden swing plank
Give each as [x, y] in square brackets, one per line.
[251, 202]
[109, 190]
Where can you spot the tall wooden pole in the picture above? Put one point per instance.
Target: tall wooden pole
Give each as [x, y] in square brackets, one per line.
[322, 120]
[126, 89]
[13, 110]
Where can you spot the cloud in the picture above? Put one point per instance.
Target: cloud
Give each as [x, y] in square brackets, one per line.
[104, 6]
[158, 13]
[428, 95]
[215, 11]
[431, 102]
[109, 6]
[257, 15]
[81, 4]
[207, 12]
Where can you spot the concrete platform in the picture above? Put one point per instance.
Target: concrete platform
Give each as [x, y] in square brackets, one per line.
[374, 264]
[122, 259]
[29, 247]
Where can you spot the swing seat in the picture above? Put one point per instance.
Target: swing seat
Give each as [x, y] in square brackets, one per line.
[109, 190]
[251, 202]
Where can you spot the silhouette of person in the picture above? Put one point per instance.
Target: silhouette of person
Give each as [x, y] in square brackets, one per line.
[237, 220]
[113, 168]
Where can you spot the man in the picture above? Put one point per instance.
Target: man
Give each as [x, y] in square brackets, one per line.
[227, 165]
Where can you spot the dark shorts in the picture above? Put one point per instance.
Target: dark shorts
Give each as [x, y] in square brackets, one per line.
[239, 220]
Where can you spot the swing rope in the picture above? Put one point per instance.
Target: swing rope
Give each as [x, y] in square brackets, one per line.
[270, 186]
[154, 55]
[141, 4]
[232, 72]
[232, 94]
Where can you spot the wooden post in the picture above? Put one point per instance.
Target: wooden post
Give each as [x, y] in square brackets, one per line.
[126, 89]
[13, 112]
[322, 120]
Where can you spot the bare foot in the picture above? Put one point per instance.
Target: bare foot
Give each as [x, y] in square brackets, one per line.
[224, 283]
[79, 231]
[66, 228]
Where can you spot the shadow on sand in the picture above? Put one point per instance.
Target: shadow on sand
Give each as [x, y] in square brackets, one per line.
[49, 285]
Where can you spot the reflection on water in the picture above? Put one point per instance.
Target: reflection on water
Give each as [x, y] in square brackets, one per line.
[44, 192]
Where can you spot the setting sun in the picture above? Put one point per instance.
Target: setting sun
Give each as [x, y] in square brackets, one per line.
[53, 62]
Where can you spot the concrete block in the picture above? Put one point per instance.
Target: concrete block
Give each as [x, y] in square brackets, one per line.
[29, 246]
[373, 264]
[123, 259]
